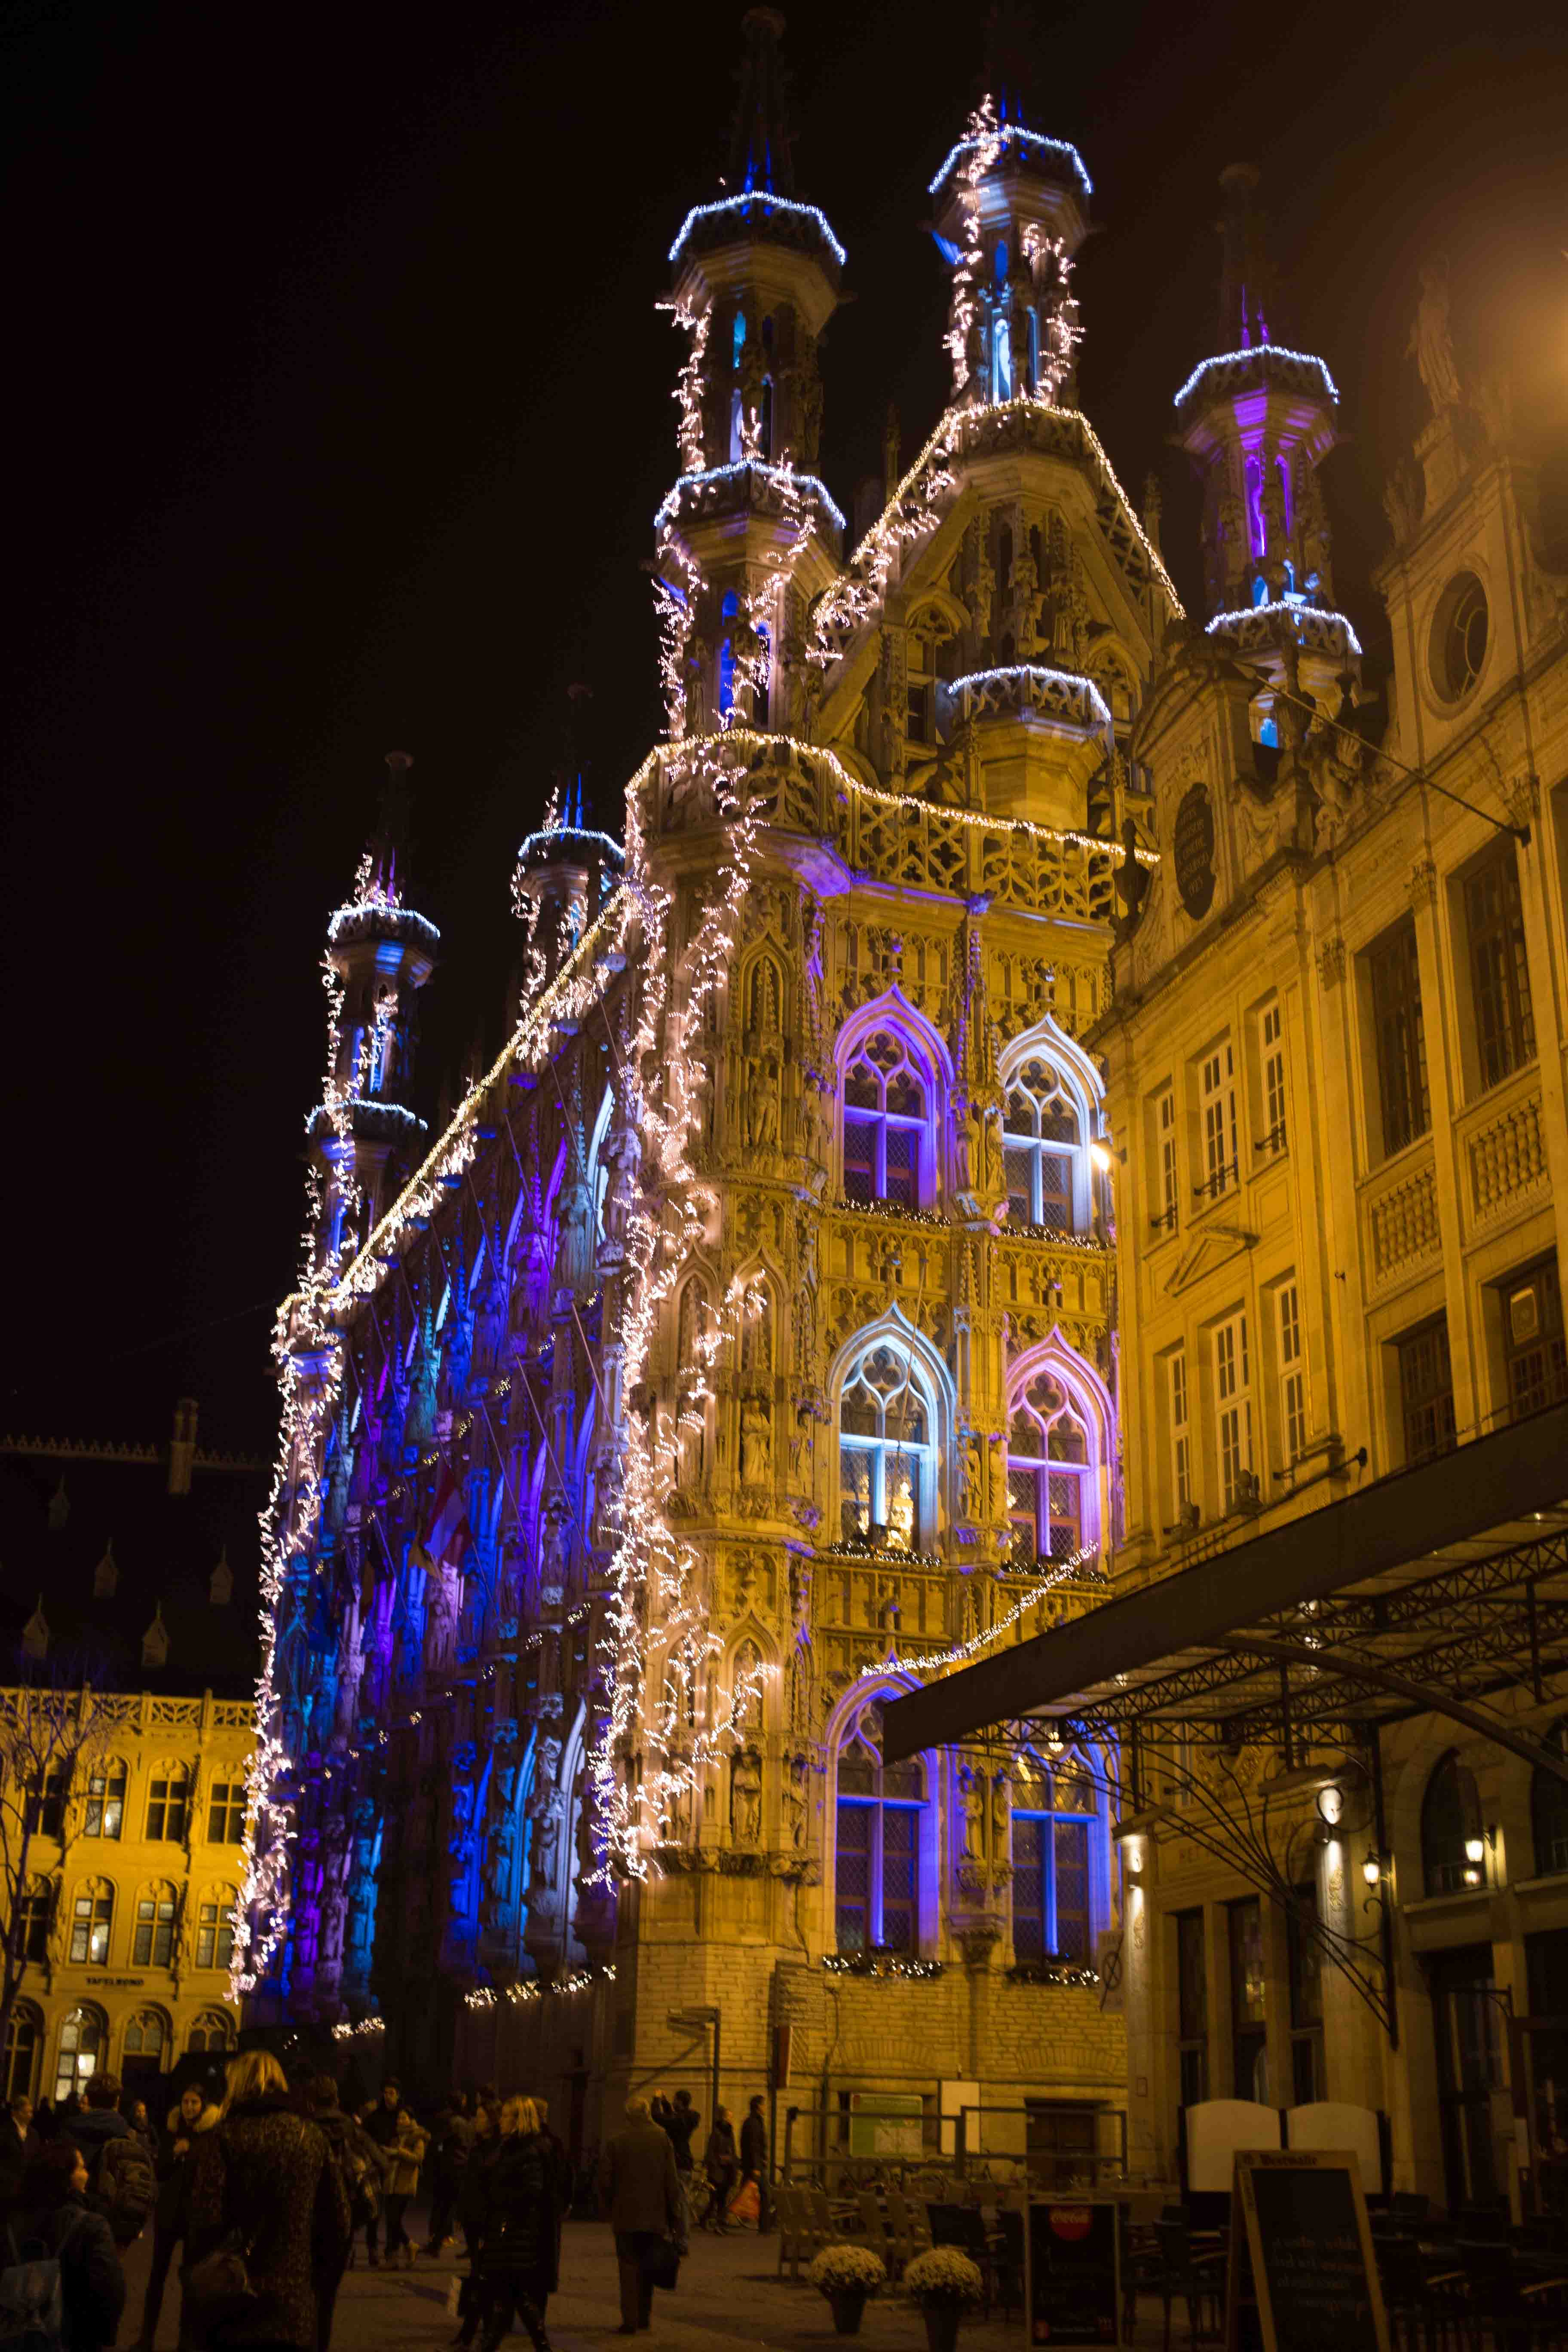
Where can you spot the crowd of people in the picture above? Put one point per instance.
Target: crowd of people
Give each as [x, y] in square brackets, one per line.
[265, 2195]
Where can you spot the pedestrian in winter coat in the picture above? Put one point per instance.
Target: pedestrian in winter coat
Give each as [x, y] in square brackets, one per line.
[516, 2263]
[680, 2120]
[265, 2172]
[53, 2212]
[142, 2130]
[451, 2145]
[175, 2160]
[754, 2156]
[643, 2199]
[402, 2159]
[383, 2122]
[118, 2162]
[356, 2159]
[19, 2144]
[471, 2210]
[722, 2167]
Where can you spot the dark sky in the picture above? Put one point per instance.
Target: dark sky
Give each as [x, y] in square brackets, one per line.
[340, 409]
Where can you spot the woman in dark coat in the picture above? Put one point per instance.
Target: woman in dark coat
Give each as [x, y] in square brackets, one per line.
[265, 2172]
[53, 2212]
[722, 2166]
[516, 2263]
[176, 2159]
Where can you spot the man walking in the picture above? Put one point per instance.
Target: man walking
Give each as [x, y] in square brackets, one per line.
[754, 2157]
[680, 2121]
[643, 2200]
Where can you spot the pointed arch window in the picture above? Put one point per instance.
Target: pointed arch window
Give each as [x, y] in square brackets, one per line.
[1050, 1470]
[144, 2038]
[1453, 1838]
[730, 611]
[210, 2034]
[1042, 1149]
[876, 1871]
[886, 1104]
[886, 1451]
[1054, 1815]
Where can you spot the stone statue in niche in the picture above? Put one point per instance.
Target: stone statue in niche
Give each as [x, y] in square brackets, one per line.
[746, 1798]
[335, 1921]
[441, 1623]
[761, 1103]
[974, 1477]
[745, 1684]
[756, 1444]
[575, 1241]
[1001, 1815]
[547, 1817]
[972, 1816]
[1431, 344]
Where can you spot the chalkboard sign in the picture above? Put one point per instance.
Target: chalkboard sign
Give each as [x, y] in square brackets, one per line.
[1072, 2281]
[1302, 2273]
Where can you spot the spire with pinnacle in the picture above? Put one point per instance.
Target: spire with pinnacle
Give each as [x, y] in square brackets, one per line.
[759, 139]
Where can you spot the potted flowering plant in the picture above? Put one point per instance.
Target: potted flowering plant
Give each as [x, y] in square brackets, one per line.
[944, 2282]
[847, 2274]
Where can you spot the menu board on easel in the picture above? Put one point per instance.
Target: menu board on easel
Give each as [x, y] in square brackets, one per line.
[1303, 2275]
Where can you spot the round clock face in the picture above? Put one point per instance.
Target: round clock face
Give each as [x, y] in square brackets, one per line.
[1191, 850]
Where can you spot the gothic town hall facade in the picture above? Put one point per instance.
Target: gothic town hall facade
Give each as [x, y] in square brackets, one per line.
[740, 1353]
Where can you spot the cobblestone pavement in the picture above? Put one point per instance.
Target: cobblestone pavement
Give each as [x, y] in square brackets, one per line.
[729, 2294]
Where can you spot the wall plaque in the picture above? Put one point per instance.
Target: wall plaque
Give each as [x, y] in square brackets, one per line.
[1192, 848]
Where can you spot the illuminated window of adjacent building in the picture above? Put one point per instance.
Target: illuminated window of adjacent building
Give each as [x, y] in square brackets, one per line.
[214, 1932]
[1535, 1361]
[1394, 978]
[876, 1867]
[1053, 1814]
[886, 1451]
[144, 2039]
[82, 2038]
[1292, 1373]
[1426, 1390]
[1451, 1830]
[154, 1944]
[226, 1814]
[92, 1916]
[1249, 2001]
[168, 1803]
[1233, 1409]
[1216, 1102]
[1042, 1138]
[1050, 1457]
[105, 1814]
[1500, 974]
[1271, 1052]
[885, 1106]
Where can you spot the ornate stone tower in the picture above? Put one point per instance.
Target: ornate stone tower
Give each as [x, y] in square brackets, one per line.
[380, 953]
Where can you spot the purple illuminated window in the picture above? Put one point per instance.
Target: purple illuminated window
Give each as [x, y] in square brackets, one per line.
[884, 1122]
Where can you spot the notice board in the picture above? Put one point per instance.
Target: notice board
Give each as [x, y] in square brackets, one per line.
[1072, 2277]
[1303, 2275]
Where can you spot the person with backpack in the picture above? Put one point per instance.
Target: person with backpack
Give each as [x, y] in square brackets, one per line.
[176, 2157]
[358, 2162]
[119, 2163]
[61, 2288]
[268, 2215]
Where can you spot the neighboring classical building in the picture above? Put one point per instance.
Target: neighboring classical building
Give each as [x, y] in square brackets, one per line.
[1333, 1667]
[742, 1351]
[142, 1561]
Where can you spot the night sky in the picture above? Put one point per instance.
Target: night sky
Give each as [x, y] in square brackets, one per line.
[340, 409]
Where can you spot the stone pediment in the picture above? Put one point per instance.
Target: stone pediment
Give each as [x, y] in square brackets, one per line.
[1205, 1252]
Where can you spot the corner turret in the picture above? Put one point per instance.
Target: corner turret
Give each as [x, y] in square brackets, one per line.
[380, 953]
[1011, 211]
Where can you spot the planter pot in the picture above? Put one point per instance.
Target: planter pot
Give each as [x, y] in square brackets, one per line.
[849, 2303]
[942, 2324]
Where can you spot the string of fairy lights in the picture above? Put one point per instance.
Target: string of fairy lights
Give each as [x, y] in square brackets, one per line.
[663, 1727]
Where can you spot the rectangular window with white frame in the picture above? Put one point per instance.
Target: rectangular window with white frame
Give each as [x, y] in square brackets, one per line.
[1233, 1410]
[1292, 1373]
[1167, 1214]
[1216, 1104]
[1271, 1062]
[1181, 1433]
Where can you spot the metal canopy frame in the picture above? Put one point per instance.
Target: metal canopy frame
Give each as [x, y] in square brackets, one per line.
[1429, 1590]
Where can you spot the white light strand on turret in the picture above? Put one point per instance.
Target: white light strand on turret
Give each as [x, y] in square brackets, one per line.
[1014, 134]
[1257, 351]
[770, 203]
